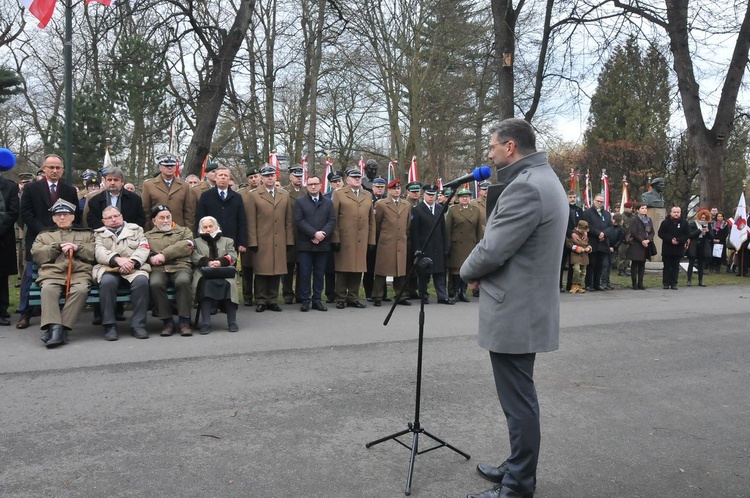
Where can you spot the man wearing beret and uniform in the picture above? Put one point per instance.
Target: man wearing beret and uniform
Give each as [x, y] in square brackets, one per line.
[481, 202]
[65, 256]
[464, 229]
[246, 258]
[270, 225]
[36, 200]
[354, 232]
[170, 191]
[209, 181]
[335, 182]
[392, 221]
[424, 216]
[289, 289]
[378, 193]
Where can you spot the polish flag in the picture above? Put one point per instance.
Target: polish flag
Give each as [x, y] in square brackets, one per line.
[41, 9]
[412, 175]
[273, 160]
[304, 170]
[361, 165]
[738, 233]
[103, 2]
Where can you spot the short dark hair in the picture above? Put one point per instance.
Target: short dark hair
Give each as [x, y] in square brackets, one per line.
[518, 130]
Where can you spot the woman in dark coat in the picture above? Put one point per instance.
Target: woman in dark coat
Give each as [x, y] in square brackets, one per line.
[719, 231]
[699, 246]
[641, 236]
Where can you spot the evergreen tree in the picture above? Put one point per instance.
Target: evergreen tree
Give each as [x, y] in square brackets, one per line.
[10, 84]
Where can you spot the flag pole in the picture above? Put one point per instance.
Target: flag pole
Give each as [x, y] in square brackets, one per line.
[69, 91]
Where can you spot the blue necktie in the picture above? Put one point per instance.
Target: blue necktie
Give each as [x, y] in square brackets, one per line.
[315, 200]
[223, 195]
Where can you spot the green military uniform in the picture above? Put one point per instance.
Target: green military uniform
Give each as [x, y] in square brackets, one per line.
[176, 245]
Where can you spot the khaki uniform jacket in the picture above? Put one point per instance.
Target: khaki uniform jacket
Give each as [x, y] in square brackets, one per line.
[131, 243]
[464, 229]
[176, 245]
[482, 205]
[392, 233]
[224, 246]
[179, 199]
[270, 229]
[199, 189]
[355, 229]
[53, 264]
[89, 195]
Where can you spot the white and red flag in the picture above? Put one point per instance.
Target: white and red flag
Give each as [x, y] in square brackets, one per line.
[625, 194]
[304, 170]
[329, 169]
[738, 233]
[361, 165]
[413, 177]
[41, 9]
[273, 160]
[587, 192]
[605, 189]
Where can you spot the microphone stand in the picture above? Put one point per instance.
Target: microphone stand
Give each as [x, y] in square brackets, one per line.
[414, 427]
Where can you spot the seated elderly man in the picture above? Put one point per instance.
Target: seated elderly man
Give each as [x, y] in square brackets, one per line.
[122, 251]
[171, 247]
[65, 256]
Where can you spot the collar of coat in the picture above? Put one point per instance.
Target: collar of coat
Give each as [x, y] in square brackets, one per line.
[159, 183]
[510, 172]
[128, 230]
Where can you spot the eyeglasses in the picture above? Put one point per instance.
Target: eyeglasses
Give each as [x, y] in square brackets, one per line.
[112, 217]
[492, 146]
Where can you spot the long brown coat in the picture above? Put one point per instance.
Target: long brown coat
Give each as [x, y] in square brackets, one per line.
[464, 229]
[482, 205]
[355, 229]
[199, 189]
[270, 229]
[53, 264]
[392, 230]
[179, 199]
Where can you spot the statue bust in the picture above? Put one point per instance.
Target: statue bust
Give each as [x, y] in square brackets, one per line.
[654, 197]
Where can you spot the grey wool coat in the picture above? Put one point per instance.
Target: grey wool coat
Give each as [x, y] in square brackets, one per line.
[517, 263]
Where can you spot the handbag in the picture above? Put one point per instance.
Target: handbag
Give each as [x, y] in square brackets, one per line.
[652, 248]
[210, 273]
[718, 250]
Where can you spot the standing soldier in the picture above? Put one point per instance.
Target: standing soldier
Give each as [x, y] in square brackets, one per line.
[336, 181]
[208, 182]
[378, 193]
[296, 190]
[463, 225]
[413, 191]
[481, 202]
[168, 190]
[392, 221]
[269, 215]
[355, 230]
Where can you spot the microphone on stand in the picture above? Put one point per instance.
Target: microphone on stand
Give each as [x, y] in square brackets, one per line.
[479, 174]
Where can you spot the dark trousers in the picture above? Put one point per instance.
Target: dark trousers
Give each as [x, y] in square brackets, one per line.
[247, 277]
[594, 272]
[182, 281]
[4, 294]
[671, 270]
[438, 279]
[139, 293]
[312, 267]
[347, 286]
[290, 286]
[514, 380]
[23, 306]
[330, 286]
[379, 287]
[697, 263]
[637, 271]
[267, 288]
[369, 277]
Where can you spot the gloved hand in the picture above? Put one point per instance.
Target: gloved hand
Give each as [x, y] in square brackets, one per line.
[254, 248]
[336, 246]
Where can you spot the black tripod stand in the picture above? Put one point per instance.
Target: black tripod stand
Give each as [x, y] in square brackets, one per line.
[414, 427]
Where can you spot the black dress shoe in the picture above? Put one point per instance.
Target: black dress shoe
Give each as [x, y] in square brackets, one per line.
[330, 300]
[492, 473]
[110, 332]
[47, 334]
[599, 289]
[425, 300]
[4, 314]
[274, 307]
[139, 333]
[304, 307]
[666, 287]
[319, 307]
[386, 299]
[260, 308]
[356, 304]
[375, 302]
[4, 321]
[340, 305]
[590, 289]
[288, 300]
[446, 301]
[404, 302]
[56, 337]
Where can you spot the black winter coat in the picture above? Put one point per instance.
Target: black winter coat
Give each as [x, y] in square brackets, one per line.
[677, 230]
[598, 224]
[9, 191]
[230, 214]
[421, 224]
[131, 207]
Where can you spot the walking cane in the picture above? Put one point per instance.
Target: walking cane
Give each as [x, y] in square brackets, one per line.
[70, 274]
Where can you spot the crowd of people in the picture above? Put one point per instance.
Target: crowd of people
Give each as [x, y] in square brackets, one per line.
[599, 242]
[176, 245]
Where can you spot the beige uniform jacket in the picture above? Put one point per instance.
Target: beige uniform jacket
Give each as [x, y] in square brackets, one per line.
[179, 199]
[53, 264]
[130, 243]
[270, 229]
[464, 229]
[355, 229]
[392, 229]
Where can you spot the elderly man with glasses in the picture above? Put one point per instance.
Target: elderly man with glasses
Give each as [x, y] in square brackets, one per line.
[599, 221]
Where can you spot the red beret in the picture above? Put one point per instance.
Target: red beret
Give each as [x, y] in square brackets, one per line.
[394, 183]
[628, 205]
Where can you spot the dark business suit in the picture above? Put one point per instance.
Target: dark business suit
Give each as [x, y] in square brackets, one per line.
[131, 207]
[35, 203]
[598, 223]
[672, 253]
[421, 224]
[8, 266]
[310, 218]
[230, 213]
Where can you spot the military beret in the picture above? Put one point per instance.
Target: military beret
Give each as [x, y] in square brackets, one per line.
[628, 205]
[394, 184]
[211, 166]
[158, 209]
[252, 171]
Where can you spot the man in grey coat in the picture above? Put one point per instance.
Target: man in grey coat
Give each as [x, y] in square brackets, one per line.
[514, 261]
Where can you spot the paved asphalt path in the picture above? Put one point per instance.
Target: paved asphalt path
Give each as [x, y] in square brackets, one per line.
[648, 396]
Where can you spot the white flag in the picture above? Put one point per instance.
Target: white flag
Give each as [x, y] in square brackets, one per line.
[738, 234]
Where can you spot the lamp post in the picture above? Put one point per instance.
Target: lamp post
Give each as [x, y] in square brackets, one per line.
[68, 91]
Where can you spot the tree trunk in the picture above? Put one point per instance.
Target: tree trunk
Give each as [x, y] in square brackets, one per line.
[213, 89]
[504, 26]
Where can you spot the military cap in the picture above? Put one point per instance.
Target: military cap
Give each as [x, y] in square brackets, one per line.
[267, 170]
[484, 185]
[62, 206]
[354, 173]
[413, 186]
[335, 176]
[446, 192]
[430, 189]
[26, 177]
[252, 171]
[167, 160]
[296, 170]
[463, 191]
[379, 181]
[40, 171]
[394, 184]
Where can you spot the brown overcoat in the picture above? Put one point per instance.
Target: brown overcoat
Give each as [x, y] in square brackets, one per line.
[355, 229]
[482, 205]
[464, 229]
[179, 199]
[270, 229]
[53, 264]
[392, 233]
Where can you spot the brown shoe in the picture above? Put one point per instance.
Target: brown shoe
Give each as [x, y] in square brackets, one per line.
[168, 329]
[185, 330]
[22, 323]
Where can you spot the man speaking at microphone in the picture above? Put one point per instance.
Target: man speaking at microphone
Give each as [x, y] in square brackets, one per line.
[518, 260]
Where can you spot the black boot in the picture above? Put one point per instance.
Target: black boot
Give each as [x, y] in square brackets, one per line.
[56, 337]
[47, 334]
[634, 280]
[700, 281]
[463, 287]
